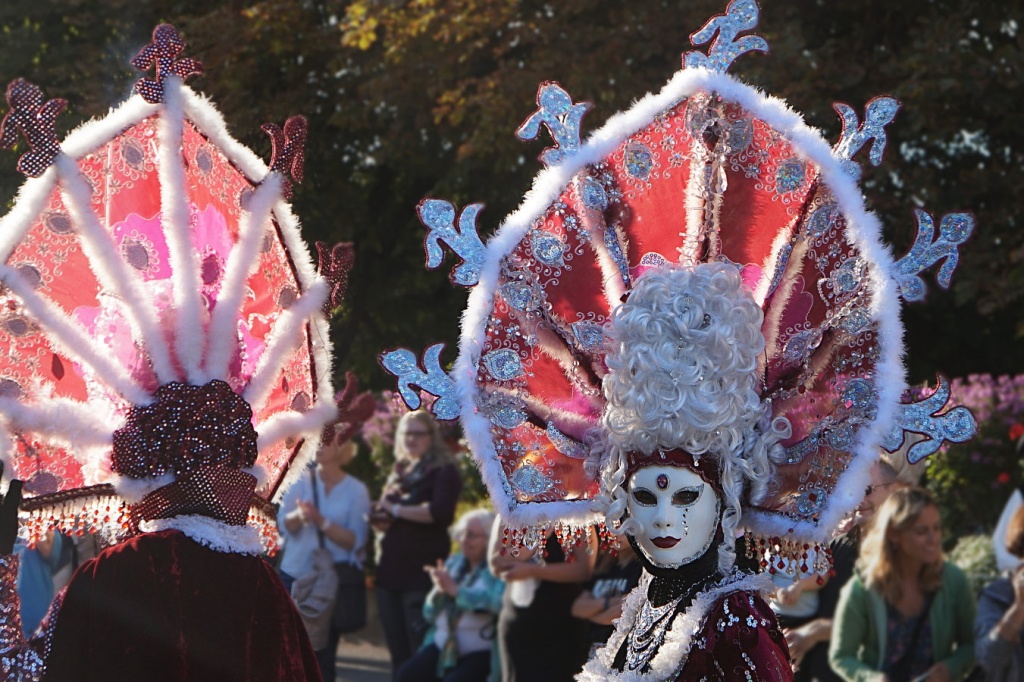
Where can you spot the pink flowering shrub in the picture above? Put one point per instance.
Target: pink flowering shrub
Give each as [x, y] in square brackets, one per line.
[973, 480]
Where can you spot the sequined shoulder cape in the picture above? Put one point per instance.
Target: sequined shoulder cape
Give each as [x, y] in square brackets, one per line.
[163, 608]
[727, 634]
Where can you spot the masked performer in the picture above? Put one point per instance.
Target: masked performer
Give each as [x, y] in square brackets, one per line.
[688, 439]
[164, 367]
[688, 331]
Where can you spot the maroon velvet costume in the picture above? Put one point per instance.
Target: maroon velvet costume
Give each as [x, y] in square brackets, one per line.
[726, 633]
[739, 640]
[161, 607]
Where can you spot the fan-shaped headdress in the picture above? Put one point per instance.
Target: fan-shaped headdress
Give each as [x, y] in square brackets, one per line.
[709, 170]
[159, 311]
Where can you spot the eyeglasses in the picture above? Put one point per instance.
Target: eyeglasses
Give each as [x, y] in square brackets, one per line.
[416, 434]
[871, 488]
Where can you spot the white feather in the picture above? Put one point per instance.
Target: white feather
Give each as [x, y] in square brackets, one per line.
[177, 233]
[284, 337]
[112, 272]
[69, 339]
[222, 338]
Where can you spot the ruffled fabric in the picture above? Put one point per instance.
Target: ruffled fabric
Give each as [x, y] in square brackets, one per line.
[728, 633]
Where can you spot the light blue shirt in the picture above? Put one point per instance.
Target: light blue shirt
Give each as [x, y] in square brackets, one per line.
[347, 505]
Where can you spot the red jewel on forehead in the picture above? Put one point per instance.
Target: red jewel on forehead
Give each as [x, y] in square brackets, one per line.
[662, 481]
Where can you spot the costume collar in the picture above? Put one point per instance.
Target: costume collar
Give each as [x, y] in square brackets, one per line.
[671, 657]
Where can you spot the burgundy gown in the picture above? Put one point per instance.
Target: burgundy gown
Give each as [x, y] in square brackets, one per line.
[163, 608]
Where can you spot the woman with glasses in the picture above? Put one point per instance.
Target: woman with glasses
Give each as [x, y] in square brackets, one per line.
[411, 520]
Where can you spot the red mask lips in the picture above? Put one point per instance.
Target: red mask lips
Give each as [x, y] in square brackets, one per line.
[664, 542]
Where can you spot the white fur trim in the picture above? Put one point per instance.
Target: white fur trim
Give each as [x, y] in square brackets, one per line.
[292, 237]
[217, 535]
[31, 200]
[204, 115]
[61, 420]
[174, 218]
[92, 135]
[222, 338]
[284, 337]
[111, 270]
[69, 339]
[674, 651]
[290, 423]
[258, 472]
[863, 230]
[134, 489]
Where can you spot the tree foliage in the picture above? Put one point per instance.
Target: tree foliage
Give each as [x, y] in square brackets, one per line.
[420, 98]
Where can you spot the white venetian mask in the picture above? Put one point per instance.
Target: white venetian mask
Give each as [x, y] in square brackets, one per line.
[677, 513]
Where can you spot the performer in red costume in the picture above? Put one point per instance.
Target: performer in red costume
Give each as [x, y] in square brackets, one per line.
[165, 376]
[687, 332]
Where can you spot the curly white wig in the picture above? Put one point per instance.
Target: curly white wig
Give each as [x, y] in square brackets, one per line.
[683, 373]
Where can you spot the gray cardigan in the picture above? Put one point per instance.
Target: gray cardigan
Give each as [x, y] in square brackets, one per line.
[1001, 660]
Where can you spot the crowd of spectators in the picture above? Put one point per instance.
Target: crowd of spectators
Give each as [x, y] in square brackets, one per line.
[892, 609]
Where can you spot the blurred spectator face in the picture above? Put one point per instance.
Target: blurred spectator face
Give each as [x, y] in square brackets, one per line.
[417, 436]
[474, 543]
[336, 454]
[921, 539]
[883, 483]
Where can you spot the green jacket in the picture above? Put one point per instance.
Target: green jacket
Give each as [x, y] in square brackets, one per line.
[858, 628]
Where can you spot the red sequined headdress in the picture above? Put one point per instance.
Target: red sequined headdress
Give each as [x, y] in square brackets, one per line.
[162, 326]
[709, 170]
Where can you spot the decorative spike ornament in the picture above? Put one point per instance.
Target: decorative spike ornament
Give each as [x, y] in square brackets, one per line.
[727, 45]
[954, 230]
[429, 377]
[556, 112]
[162, 55]
[879, 112]
[335, 267]
[438, 216]
[34, 117]
[927, 417]
[288, 150]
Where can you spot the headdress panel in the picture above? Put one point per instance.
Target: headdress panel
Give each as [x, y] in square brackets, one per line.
[161, 314]
[709, 171]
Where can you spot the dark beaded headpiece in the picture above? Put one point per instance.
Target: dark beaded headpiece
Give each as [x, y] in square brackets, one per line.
[184, 428]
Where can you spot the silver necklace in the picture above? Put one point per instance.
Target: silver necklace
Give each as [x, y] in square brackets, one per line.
[648, 633]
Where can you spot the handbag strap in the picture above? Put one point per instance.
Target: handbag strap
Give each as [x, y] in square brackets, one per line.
[316, 503]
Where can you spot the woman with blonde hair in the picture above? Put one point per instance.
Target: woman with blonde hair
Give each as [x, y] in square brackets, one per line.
[908, 613]
[412, 519]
